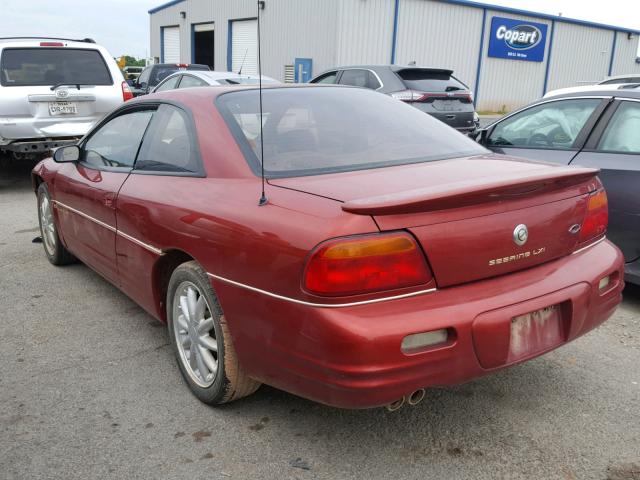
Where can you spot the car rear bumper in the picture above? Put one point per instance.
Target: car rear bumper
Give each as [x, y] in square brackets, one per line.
[632, 272]
[351, 357]
[38, 145]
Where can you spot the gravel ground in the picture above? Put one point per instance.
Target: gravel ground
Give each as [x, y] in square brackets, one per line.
[89, 389]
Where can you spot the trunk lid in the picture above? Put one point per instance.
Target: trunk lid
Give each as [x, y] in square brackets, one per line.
[466, 212]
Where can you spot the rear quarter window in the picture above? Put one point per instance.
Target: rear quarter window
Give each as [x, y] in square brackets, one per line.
[50, 66]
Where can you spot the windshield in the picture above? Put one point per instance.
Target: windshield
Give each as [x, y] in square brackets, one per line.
[316, 130]
[52, 66]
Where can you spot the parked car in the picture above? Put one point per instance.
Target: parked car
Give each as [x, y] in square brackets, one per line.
[592, 127]
[391, 254]
[432, 90]
[53, 90]
[203, 78]
[154, 74]
[629, 78]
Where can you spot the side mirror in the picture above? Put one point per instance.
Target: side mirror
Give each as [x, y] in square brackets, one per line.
[67, 154]
[144, 86]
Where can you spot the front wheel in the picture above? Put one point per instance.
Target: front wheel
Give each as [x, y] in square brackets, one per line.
[201, 340]
[56, 252]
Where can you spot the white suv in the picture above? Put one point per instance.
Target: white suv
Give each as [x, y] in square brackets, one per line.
[52, 91]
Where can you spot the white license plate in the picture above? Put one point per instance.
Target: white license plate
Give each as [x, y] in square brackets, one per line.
[63, 108]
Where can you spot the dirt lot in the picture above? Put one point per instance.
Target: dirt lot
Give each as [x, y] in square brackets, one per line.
[89, 389]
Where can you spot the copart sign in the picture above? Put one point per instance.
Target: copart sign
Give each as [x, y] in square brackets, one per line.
[517, 39]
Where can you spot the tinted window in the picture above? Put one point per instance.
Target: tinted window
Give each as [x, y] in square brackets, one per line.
[144, 76]
[326, 78]
[188, 81]
[159, 73]
[430, 81]
[116, 143]
[359, 78]
[168, 145]
[322, 130]
[553, 125]
[169, 84]
[622, 133]
[51, 66]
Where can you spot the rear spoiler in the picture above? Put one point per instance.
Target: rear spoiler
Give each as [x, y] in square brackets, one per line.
[473, 191]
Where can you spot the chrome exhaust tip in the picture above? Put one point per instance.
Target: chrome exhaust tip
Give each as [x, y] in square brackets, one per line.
[393, 406]
[416, 397]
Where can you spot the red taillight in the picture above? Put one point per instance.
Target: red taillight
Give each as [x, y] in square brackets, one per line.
[182, 65]
[597, 217]
[365, 264]
[127, 94]
[51, 44]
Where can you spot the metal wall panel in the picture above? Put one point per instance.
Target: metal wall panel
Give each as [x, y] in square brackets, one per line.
[168, 17]
[364, 32]
[580, 55]
[426, 36]
[508, 84]
[625, 55]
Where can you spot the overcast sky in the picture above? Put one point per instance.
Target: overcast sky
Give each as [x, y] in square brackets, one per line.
[123, 25]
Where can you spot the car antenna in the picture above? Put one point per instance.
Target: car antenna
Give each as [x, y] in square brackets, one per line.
[263, 197]
[243, 59]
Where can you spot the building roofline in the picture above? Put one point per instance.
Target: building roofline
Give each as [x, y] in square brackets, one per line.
[545, 16]
[487, 6]
[164, 5]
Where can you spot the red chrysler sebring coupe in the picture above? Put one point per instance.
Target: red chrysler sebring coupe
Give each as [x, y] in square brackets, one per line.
[392, 253]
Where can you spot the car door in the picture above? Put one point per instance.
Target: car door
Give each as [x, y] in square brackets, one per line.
[166, 173]
[86, 191]
[552, 131]
[614, 148]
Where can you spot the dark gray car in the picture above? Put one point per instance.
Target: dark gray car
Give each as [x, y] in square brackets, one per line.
[433, 90]
[594, 128]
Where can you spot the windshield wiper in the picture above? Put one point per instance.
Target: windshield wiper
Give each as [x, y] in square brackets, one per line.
[77, 85]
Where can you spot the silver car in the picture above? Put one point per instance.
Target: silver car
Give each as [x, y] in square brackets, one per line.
[196, 78]
[52, 91]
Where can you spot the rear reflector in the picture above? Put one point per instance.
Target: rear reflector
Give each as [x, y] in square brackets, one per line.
[127, 94]
[597, 217]
[365, 264]
[51, 44]
[420, 341]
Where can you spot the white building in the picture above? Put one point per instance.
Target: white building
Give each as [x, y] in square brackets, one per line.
[508, 57]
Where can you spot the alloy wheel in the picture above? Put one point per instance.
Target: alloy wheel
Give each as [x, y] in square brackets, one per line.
[48, 228]
[195, 334]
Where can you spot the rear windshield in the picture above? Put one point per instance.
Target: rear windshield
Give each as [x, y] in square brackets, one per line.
[430, 81]
[244, 81]
[52, 66]
[315, 130]
[163, 71]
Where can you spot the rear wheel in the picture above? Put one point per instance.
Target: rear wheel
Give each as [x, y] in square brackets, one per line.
[56, 252]
[201, 340]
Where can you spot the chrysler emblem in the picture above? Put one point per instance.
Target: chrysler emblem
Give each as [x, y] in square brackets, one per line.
[520, 234]
[62, 93]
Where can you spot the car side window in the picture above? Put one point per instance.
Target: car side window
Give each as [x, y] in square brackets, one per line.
[116, 143]
[144, 76]
[189, 81]
[328, 78]
[622, 132]
[357, 78]
[168, 146]
[552, 125]
[168, 84]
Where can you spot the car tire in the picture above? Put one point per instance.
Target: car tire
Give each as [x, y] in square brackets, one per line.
[55, 251]
[191, 337]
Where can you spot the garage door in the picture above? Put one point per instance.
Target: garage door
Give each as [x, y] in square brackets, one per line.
[244, 46]
[171, 44]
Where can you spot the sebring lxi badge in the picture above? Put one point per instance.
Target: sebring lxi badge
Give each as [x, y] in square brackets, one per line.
[520, 234]
[520, 237]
